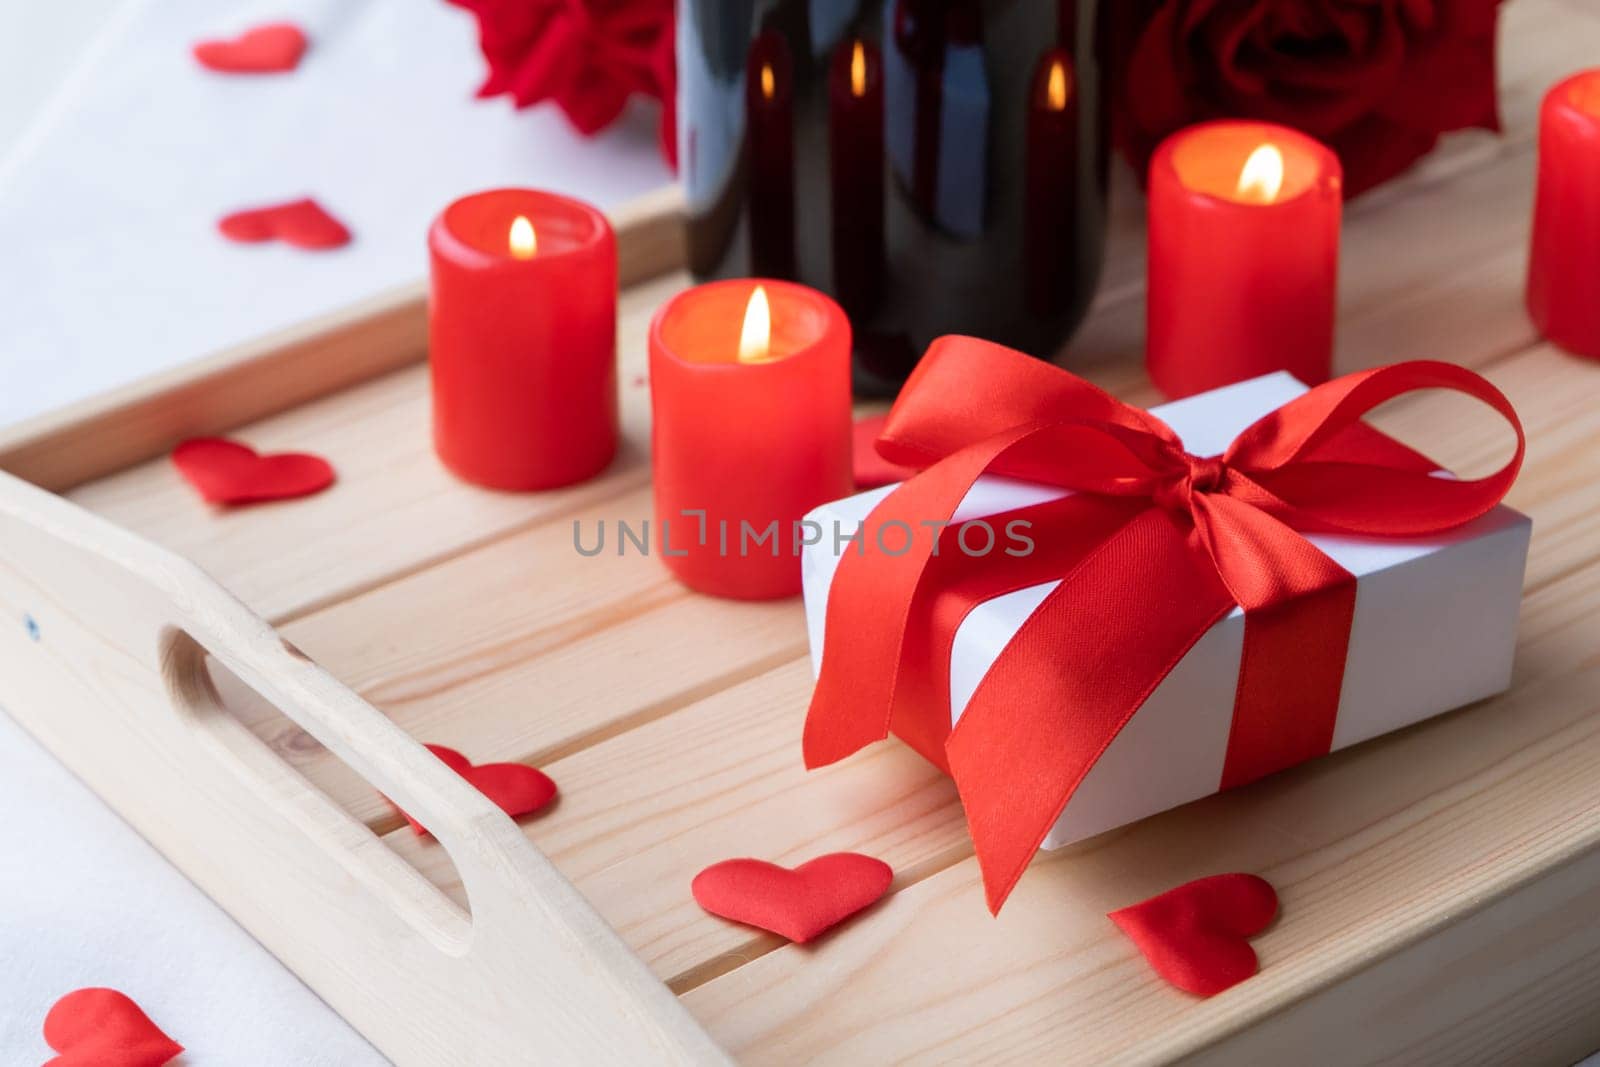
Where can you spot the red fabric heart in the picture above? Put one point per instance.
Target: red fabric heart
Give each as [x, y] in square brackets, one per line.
[1195, 935]
[799, 904]
[515, 787]
[226, 472]
[301, 223]
[871, 469]
[269, 49]
[105, 1028]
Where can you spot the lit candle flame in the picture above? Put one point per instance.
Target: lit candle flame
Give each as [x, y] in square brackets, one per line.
[1261, 179]
[767, 86]
[755, 338]
[524, 243]
[858, 71]
[1056, 89]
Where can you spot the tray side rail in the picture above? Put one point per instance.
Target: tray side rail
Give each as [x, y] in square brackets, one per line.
[104, 639]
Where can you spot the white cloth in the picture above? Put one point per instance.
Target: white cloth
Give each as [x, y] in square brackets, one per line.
[110, 270]
[111, 265]
[85, 901]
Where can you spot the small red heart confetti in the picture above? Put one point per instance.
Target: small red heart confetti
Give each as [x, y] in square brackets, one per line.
[799, 904]
[516, 788]
[105, 1028]
[272, 48]
[227, 472]
[301, 223]
[871, 469]
[1195, 936]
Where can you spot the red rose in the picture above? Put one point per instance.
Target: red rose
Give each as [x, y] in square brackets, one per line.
[588, 56]
[1376, 80]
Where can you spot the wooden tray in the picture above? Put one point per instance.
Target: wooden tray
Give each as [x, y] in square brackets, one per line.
[1438, 885]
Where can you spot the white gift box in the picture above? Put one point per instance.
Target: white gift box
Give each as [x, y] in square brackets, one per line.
[1435, 628]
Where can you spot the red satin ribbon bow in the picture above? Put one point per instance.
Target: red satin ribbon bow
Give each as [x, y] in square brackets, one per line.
[1151, 550]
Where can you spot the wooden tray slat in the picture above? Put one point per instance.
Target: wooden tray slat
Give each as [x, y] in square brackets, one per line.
[396, 509]
[642, 812]
[524, 649]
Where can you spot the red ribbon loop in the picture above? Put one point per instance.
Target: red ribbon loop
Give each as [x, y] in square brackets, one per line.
[1153, 548]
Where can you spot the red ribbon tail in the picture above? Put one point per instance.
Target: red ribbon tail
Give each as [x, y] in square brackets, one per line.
[835, 727]
[1029, 736]
[871, 599]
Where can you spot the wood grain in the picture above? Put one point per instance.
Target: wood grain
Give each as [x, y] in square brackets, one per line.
[527, 649]
[641, 813]
[1515, 982]
[286, 559]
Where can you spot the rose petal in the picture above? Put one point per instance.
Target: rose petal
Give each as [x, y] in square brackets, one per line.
[1374, 150]
[587, 56]
[1377, 80]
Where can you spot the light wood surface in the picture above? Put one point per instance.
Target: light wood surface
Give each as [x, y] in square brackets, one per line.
[1437, 883]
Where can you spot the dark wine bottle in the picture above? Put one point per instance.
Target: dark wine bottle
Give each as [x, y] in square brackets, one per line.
[937, 166]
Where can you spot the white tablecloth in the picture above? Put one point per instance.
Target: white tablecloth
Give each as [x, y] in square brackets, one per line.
[111, 265]
[110, 269]
[85, 901]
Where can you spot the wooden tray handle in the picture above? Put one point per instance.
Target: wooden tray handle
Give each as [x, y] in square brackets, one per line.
[464, 822]
[110, 673]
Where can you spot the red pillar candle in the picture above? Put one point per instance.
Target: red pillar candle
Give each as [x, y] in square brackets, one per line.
[750, 391]
[855, 165]
[1564, 266]
[1244, 256]
[522, 326]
